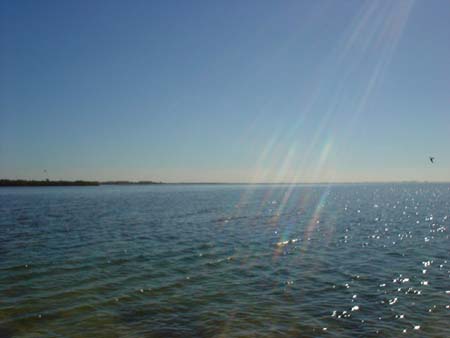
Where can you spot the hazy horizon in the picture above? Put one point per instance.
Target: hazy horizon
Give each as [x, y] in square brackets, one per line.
[226, 92]
[144, 181]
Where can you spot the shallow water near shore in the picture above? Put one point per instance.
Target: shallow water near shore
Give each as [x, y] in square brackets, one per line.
[225, 261]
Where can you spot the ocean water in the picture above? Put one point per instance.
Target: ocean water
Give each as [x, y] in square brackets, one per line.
[225, 261]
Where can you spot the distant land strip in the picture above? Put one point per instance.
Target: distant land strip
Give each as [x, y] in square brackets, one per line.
[62, 183]
[129, 182]
[48, 183]
[44, 183]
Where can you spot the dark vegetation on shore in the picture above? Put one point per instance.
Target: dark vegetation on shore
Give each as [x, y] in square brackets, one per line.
[48, 183]
[45, 183]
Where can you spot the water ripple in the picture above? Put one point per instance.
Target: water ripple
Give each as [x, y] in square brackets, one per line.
[344, 260]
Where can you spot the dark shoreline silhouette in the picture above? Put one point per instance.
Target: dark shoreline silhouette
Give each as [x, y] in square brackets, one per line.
[45, 183]
[48, 183]
[62, 183]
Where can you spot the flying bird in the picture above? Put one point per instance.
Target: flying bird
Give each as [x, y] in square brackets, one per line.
[431, 159]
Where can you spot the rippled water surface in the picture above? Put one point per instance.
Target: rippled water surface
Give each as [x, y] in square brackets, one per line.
[225, 261]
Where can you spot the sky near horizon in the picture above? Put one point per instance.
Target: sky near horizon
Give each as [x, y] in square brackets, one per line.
[225, 91]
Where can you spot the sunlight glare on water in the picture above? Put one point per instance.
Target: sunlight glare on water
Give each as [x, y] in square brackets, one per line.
[174, 260]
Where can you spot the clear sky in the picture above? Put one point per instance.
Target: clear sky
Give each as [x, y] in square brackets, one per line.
[225, 91]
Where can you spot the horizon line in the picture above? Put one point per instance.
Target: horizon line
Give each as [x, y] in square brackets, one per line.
[151, 182]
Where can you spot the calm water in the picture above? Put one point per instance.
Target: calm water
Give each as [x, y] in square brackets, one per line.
[225, 261]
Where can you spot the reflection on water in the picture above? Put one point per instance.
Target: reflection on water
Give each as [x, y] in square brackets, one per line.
[224, 261]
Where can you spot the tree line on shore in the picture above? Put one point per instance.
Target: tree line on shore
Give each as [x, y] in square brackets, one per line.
[48, 183]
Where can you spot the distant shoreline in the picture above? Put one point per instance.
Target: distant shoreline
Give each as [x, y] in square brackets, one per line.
[66, 183]
[45, 183]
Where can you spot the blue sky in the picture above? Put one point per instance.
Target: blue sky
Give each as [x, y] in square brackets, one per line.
[226, 91]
